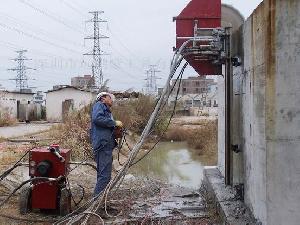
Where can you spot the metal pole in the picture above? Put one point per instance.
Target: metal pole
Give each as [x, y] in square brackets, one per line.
[228, 107]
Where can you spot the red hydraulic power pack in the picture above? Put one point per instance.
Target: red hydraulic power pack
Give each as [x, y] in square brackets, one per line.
[48, 162]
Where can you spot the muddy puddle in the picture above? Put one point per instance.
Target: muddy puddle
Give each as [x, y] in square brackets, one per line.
[173, 163]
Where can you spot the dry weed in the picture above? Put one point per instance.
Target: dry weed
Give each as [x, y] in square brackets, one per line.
[202, 137]
[74, 132]
[206, 114]
[2, 139]
[135, 114]
[6, 119]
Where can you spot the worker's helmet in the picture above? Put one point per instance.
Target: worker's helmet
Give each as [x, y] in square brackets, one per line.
[102, 94]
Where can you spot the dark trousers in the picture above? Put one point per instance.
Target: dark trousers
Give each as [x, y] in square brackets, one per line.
[104, 160]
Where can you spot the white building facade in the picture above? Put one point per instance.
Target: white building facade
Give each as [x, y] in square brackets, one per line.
[15, 102]
[66, 99]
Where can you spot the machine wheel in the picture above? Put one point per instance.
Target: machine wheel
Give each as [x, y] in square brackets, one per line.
[25, 200]
[64, 202]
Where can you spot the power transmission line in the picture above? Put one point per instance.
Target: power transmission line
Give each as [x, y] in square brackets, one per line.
[19, 31]
[51, 16]
[21, 78]
[80, 6]
[72, 7]
[37, 52]
[138, 67]
[37, 30]
[97, 53]
[151, 84]
[117, 67]
[123, 45]
[123, 57]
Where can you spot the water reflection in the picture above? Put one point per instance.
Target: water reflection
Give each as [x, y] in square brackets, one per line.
[172, 162]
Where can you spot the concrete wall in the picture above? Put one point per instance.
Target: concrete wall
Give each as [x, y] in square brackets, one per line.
[283, 114]
[55, 99]
[266, 112]
[253, 114]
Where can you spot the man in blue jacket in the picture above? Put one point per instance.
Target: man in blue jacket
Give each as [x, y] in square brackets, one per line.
[102, 138]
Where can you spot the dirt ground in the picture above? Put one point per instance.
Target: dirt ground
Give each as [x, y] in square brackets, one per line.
[139, 200]
[21, 129]
[136, 201]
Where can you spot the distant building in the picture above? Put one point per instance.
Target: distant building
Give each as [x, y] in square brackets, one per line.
[38, 97]
[56, 87]
[196, 100]
[61, 101]
[193, 85]
[86, 81]
[19, 105]
[25, 90]
[197, 93]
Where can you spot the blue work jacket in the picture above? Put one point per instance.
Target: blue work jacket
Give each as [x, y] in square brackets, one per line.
[102, 127]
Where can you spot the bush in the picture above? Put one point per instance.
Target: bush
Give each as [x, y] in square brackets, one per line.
[43, 113]
[6, 119]
[204, 137]
[74, 133]
[134, 113]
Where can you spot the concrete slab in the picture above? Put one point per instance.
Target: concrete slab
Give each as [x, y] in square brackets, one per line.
[232, 210]
[176, 202]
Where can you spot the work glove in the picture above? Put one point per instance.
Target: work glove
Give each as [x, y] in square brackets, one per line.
[119, 123]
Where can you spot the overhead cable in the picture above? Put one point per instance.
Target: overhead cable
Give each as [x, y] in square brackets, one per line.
[21, 32]
[51, 16]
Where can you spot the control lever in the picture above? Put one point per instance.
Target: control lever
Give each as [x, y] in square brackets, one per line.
[56, 153]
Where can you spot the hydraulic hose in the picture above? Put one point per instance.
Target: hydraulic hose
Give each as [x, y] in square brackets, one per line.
[94, 205]
[17, 164]
[27, 181]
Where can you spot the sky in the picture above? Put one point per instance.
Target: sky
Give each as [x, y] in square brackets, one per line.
[141, 33]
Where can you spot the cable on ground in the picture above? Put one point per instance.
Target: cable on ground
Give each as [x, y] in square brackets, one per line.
[94, 206]
[17, 164]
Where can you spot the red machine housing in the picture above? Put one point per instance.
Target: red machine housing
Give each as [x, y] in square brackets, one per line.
[45, 195]
[200, 14]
